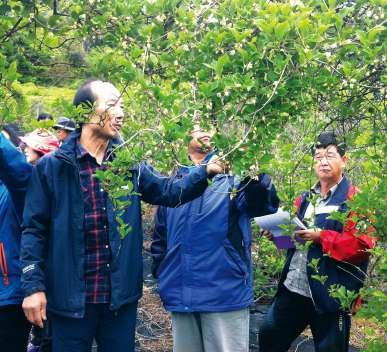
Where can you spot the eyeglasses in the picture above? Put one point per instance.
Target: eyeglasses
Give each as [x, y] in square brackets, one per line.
[329, 156]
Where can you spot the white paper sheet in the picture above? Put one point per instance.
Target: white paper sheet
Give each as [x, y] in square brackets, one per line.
[272, 223]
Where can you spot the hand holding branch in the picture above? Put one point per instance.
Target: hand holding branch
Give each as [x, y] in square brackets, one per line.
[216, 166]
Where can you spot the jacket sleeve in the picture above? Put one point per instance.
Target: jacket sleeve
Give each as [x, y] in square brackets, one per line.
[348, 245]
[36, 222]
[159, 239]
[15, 172]
[169, 191]
[258, 197]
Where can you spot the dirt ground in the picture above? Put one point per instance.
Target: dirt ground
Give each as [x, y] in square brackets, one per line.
[154, 324]
[154, 329]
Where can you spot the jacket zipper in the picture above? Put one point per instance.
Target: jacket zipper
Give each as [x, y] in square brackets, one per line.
[183, 258]
[3, 264]
[243, 272]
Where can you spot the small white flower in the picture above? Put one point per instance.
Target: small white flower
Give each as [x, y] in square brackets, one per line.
[249, 66]
[212, 19]
[296, 2]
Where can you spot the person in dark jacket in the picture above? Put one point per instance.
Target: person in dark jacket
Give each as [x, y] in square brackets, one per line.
[14, 176]
[340, 252]
[73, 259]
[15, 173]
[202, 258]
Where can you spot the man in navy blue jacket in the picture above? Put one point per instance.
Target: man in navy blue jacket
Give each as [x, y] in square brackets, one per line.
[73, 259]
[340, 251]
[202, 258]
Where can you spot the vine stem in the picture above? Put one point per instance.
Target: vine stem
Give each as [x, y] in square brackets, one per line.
[254, 116]
[131, 138]
[222, 157]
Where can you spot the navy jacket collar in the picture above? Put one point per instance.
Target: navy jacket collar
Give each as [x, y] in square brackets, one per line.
[340, 194]
[338, 197]
[68, 151]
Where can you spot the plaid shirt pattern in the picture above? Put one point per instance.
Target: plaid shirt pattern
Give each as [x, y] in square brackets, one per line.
[97, 252]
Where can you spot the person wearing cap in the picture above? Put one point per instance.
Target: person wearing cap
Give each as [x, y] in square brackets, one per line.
[75, 264]
[340, 250]
[63, 128]
[202, 258]
[38, 143]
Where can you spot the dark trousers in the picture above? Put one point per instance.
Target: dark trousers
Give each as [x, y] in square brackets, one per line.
[14, 329]
[113, 331]
[291, 313]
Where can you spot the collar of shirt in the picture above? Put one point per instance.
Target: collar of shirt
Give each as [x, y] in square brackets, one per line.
[81, 152]
[317, 189]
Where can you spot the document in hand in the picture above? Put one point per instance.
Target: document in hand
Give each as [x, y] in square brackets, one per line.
[272, 223]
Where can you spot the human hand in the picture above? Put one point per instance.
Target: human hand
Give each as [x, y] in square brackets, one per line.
[34, 307]
[309, 234]
[216, 166]
[267, 234]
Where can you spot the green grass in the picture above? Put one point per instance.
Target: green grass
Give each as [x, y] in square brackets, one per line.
[46, 97]
[42, 99]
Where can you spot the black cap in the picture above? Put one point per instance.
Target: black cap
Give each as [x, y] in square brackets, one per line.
[44, 116]
[65, 123]
[329, 138]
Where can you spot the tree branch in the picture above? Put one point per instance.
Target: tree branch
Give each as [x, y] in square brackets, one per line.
[14, 29]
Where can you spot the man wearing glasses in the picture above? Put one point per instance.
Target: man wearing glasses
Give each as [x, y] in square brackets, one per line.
[339, 251]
